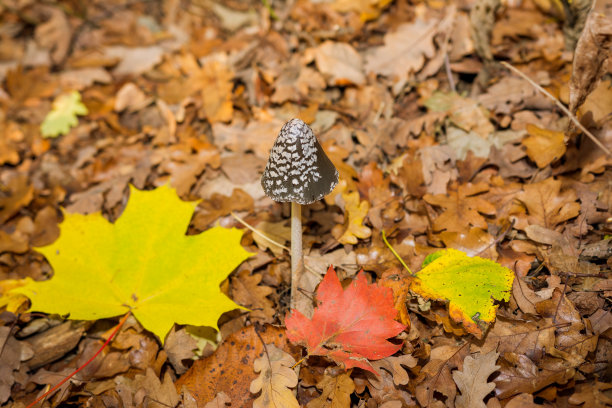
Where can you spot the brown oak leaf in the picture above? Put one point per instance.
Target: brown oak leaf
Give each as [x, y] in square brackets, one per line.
[247, 291]
[472, 380]
[462, 208]
[546, 204]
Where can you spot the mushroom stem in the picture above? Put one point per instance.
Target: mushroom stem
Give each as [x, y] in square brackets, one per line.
[297, 257]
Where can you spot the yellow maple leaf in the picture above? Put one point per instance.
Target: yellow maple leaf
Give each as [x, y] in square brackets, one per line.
[143, 263]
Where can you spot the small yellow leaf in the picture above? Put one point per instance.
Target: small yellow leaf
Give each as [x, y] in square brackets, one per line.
[469, 285]
[355, 211]
[63, 116]
[12, 301]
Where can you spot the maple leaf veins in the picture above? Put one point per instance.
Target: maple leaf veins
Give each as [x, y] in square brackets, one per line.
[349, 326]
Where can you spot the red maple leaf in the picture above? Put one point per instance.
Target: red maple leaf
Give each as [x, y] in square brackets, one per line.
[349, 326]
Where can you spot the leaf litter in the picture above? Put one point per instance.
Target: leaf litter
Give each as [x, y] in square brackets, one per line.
[440, 149]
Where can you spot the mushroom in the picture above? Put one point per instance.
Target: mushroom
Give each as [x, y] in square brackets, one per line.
[298, 171]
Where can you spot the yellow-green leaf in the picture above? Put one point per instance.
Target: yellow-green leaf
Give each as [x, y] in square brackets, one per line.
[143, 262]
[63, 116]
[469, 285]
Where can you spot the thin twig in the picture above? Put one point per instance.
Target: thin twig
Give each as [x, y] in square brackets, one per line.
[560, 105]
[256, 231]
[384, 237]
[270, 240]
[449, 73]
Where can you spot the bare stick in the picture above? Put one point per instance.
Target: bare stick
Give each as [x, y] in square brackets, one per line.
[297, 257]
[270, 240]
[258, 232]
[561, 106]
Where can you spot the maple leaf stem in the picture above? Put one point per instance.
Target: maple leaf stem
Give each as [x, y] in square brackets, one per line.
[560, 105]
[300, 362]
[384, 237]
[112, 335]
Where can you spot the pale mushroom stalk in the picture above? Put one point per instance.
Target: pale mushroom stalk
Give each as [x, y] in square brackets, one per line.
[297, 255]
[299, 172]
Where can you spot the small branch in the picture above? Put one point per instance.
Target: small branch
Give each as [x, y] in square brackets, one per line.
[256, 231]
[112, 335]
[270, 240]
[384, 237]
[560, 105]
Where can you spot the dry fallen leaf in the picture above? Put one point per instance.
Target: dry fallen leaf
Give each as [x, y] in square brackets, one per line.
[462, 208]
[472, 380]
[544, 146]
[335, 392]
[144, 389]
[592, 50]
[220, 401]
[275, 380]
[214, 81]
[404, 52]
[247, 291]
[275, 231]
[355, 211]
[339, 63]
[546, 204]
[230, 367]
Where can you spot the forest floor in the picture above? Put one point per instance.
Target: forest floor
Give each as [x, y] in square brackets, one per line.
[437, 143]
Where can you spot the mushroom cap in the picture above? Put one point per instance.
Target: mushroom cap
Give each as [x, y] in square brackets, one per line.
[298, 169]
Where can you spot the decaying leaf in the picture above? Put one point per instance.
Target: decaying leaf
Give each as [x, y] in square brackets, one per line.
[462, 208]
[335, 392]
[592, 50]
[367, 9]
[12, 353]
[214, 80]
[394, 366]
[230, 367]
[147, 388]
[436, 375]
[544, 146]
[349, 326]
[404, 52]
[277, 232]
[339, 63]
[247, 291]
[592, 395]
[63, 116]
[149, 268]
[547, 204]
[470, 285]
[220, 401]
[355, 212]
[472, 380]
[275, 380]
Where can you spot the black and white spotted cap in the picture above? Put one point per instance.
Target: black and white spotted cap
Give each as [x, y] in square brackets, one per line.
[298, 169]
